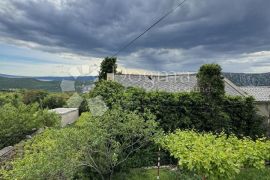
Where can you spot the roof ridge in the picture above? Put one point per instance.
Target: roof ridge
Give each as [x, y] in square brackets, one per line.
[235, 87]
[161, 75]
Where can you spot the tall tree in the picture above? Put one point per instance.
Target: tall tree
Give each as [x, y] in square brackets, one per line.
[108, 65]
[210, 81]
[212, 87]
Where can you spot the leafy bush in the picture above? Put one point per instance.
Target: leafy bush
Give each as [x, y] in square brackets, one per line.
[118, 135]
[236, 115]
[16, 122]
[215, 156]
[13, 98]
[34, 96]
[97, 145]
[53, 101]
[110, 91]
[54, 154]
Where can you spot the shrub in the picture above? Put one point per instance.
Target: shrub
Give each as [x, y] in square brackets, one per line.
[34, 96]
[110, 91]
[215, 156]
[53, 101]
[54, 154]
[94, 145]
[13, 98]
[16, 122]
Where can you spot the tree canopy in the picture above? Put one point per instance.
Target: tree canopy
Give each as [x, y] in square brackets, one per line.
[108, 65]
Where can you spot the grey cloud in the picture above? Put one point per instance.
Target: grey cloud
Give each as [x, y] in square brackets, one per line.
[199, 32]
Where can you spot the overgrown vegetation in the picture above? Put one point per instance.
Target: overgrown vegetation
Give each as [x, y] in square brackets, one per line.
[94, 147]
[235, 115]
[218, 134]
[18, 121]
[215, 156]
[23, 112]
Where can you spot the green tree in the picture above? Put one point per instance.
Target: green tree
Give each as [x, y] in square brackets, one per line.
[210, 81]
[34, 96]
[16, 122]
[118, 135]
[53, 101]
[111, 91]
[108, 65]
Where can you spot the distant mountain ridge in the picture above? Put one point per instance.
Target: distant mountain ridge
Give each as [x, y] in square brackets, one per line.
[53, 78]
[53, 84]
[249, 79]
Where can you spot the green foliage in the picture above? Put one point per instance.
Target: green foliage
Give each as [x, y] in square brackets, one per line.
[110, 91]
[34, 96]
[118, 135]
[108, 65]
[149, 154]
[97, 145]
[53, 101]
[210, 82]
[168, 174]
[151, 174]
[236, 115]
[54, 154]
[251, 174]
[29, 83]
[13, 98]
[16, 122]
[244, 120]
[84, 106]
[74, 101]
[215, 156]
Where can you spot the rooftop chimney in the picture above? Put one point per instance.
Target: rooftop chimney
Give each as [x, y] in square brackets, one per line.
[110, 76]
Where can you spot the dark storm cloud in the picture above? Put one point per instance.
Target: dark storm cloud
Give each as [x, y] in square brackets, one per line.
[196, 33]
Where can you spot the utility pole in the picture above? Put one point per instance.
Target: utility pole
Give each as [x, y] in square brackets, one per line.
[158, 163]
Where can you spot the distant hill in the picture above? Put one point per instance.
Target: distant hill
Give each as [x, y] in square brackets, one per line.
[248, 79]
[46, 83]
[29, 83]
[53, 83]
[53, 78]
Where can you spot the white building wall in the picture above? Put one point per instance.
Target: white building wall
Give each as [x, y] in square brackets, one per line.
[69, 118]
[68, 115]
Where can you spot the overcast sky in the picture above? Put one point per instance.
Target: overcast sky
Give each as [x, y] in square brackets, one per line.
[50, 37]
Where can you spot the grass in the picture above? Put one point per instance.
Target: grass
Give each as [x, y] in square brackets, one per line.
[165, 174]
[254, 174]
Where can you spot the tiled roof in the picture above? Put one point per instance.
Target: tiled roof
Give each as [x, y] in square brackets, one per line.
[171, 83]
[261, 94]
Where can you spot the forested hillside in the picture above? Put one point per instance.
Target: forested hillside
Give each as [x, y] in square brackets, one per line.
[52, 84]
[247, 79]
[29, 83]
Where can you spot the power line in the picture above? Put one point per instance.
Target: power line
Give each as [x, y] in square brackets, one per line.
[149, 28]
